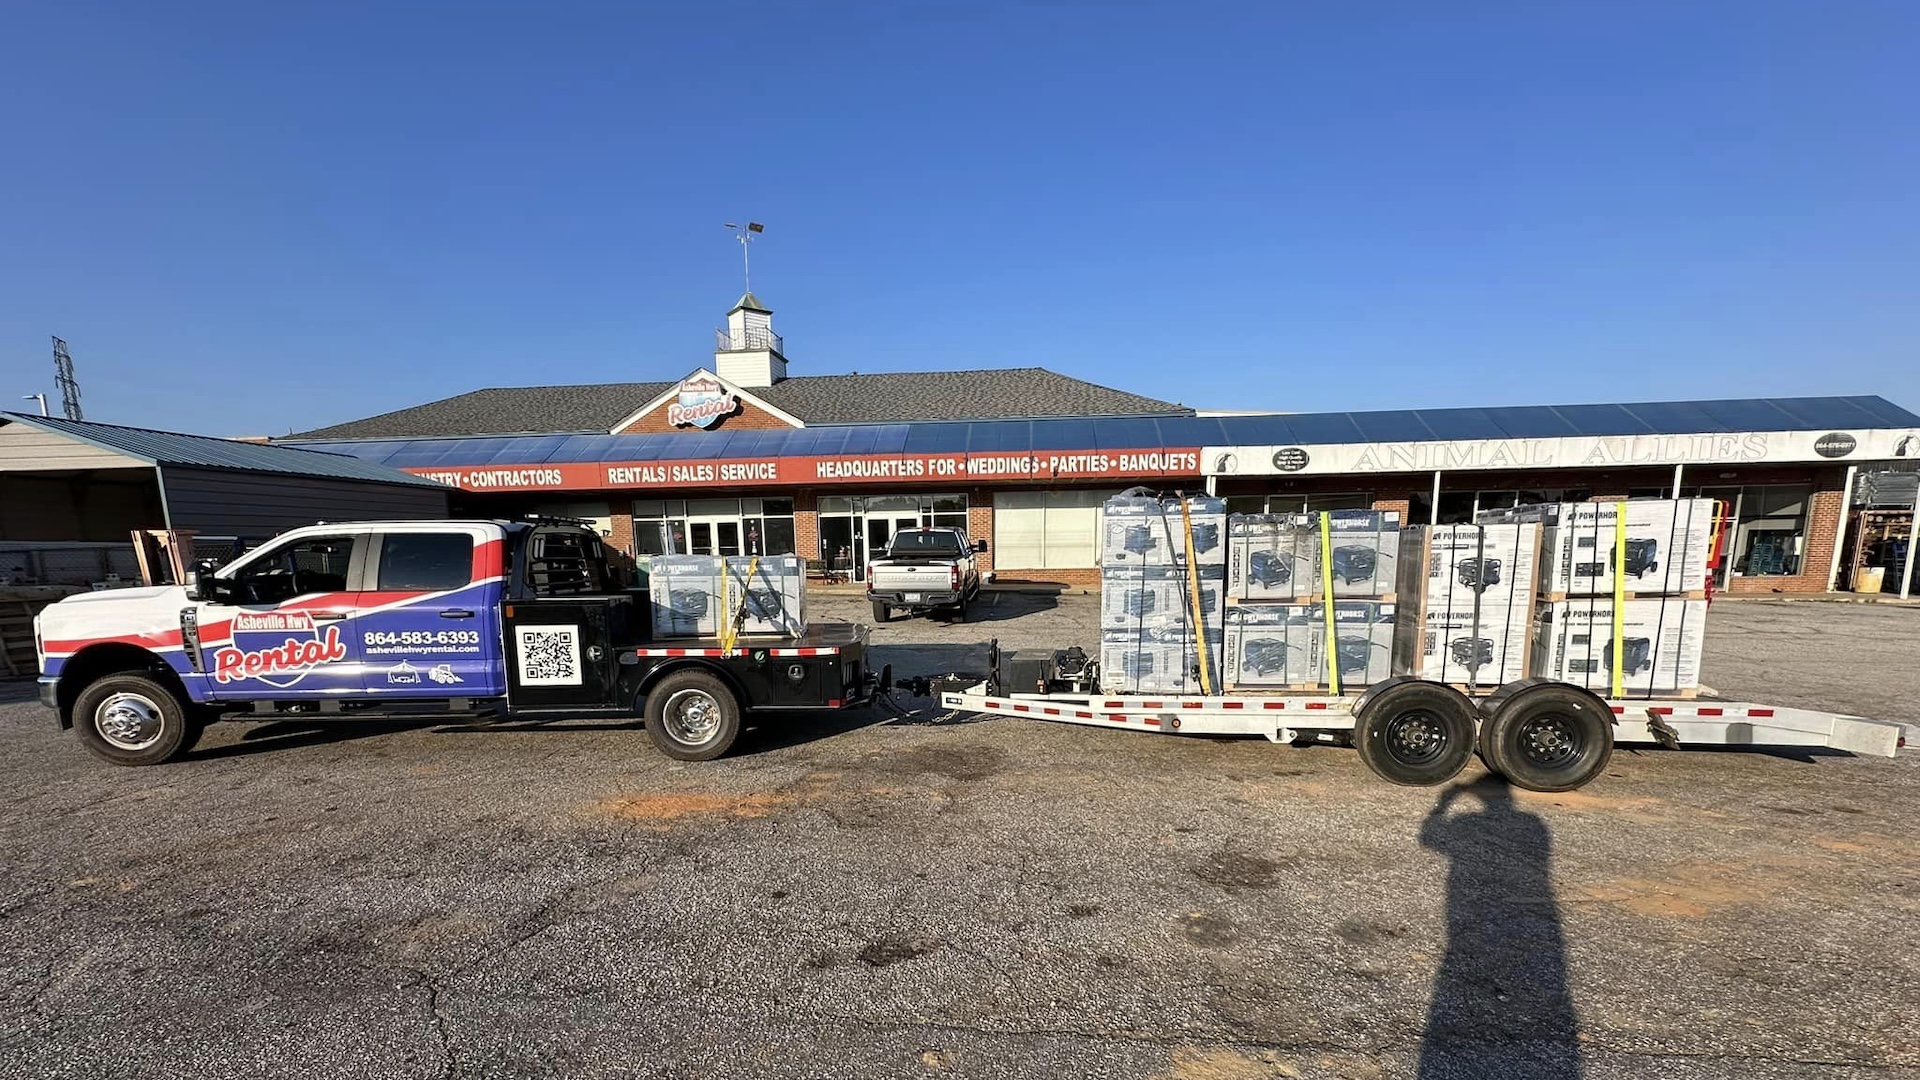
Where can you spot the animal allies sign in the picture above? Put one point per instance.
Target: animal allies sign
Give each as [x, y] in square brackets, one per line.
[701, 403]
[851, 469]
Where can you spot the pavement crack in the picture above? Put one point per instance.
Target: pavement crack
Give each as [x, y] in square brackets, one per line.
[437, 1020]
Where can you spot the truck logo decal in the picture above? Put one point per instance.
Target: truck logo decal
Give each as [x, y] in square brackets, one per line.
[281, 665]
[702, 402]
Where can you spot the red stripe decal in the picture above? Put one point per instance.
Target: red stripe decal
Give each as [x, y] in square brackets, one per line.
[1273, 704]
[1619, 710]
[1661, 712]
[1152, 705]
[1316, 704]
[833, 703]
[1712, 712]
[1084, 715]
[487, 561]
[1193, 704]
[1111, 704]
[1050, 712]
[1233, 704]
[1021, 708]
[1762, 713]
[1153, 720]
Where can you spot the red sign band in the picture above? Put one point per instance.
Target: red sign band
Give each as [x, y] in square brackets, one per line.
[810, 471]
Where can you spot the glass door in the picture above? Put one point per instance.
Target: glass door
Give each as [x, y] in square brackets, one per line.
[881, 527]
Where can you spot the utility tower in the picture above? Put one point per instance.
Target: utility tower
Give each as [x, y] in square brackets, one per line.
[63, 377]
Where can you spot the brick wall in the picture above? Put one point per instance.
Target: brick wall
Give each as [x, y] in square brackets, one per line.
[980, 524]
[1823, 527]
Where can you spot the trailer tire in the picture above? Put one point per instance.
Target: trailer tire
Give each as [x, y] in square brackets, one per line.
[1416, 734]
[880, 612]
[130, 719]
[1551, 738]
[692, 716]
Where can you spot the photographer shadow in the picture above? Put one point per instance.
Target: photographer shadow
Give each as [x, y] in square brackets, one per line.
[1500, 1003]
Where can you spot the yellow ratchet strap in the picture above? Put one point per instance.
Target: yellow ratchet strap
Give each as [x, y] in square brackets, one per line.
[1326, 599]
[1619, 598]
[1193, 597]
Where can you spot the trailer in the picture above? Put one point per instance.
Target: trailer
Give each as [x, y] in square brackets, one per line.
[1540, 734]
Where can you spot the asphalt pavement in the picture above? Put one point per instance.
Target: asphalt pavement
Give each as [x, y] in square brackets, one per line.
[854, 895]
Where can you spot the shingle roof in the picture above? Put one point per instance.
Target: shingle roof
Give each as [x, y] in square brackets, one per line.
[171, 448]
[887, 397]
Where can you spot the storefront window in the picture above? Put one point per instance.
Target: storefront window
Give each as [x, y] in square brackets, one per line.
[856, 528]
[713, 526]
[1771, 529]
[1298, 504]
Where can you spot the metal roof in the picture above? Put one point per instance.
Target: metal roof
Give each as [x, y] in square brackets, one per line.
[1147, 432]
[172, 448]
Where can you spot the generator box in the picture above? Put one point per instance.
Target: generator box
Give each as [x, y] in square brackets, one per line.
[1364, 546]
[1283, 645]
[1143, 531]
[1477, 645]
[1658, 648]
[773, 591]
[1666, 546]
[684, 593]
[1271, 556]
[1156, 663]
[1157, 599]
[1453, 568]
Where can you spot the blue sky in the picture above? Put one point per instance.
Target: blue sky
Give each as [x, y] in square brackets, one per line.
[257, 218]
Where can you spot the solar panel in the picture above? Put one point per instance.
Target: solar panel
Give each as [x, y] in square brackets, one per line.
[1530, 422]
[1460, 424]
[1402, 425]
[1602, 420]
[1312, 428]
[935, 438]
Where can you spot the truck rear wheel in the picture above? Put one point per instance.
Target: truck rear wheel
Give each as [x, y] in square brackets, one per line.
[1551, 738]
[1416, 734]
[131, 719]
[692, 716]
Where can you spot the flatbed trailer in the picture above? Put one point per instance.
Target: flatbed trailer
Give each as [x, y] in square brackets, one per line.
[1539, 734]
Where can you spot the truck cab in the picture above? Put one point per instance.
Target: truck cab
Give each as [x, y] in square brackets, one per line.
[486, 619]
[925, 569]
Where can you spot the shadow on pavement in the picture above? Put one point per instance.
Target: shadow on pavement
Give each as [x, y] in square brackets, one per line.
[1500, 1004]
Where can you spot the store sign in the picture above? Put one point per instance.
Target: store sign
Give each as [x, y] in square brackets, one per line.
[1577, 452]
[701, 402]
[852, 469]
[1836, 444]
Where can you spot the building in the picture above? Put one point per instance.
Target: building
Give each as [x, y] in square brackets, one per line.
[742, 457]
[73, 492]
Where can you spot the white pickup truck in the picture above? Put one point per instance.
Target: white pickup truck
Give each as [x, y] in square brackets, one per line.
[925, 569]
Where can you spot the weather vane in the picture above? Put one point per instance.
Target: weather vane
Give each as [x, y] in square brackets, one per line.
[745, 234]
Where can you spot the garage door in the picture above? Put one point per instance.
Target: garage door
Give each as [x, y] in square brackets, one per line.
[1047, 530]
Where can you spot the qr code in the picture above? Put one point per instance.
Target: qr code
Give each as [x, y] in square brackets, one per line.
[549, 655]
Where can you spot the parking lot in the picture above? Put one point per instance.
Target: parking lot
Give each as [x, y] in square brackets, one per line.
[856, 895]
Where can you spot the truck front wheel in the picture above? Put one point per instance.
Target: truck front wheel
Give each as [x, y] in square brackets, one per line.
[133, 720]
[692, 716]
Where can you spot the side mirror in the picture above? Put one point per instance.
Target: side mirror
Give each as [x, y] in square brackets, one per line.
[980, 547]
[200, 583]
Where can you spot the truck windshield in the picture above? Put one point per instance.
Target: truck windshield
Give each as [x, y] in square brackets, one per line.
[917, 542]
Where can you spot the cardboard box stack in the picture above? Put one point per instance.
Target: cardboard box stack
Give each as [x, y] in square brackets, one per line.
[1466, 597]
[686, 595]
[1658, 562]
[1150, 634]
[1280, 568]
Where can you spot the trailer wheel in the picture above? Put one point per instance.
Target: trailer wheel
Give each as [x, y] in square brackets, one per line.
[130, 719]
[692, 716]
[1415, 733]
[880, 613]
[1550, 738]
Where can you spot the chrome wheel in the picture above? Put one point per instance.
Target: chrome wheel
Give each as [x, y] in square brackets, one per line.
[692, 717]
[129, 721]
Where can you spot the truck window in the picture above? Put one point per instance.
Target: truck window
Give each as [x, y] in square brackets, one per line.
[913, 542]
[425, 562]
[317, 564]
[566, 564]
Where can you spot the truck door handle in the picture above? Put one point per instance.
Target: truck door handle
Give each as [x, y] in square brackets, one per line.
[456, 613]
[328, 616]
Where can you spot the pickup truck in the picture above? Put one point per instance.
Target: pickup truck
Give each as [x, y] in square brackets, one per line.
[924, 569]
[483, 619]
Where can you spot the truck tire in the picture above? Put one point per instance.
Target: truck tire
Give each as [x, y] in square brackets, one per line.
[1549, 739]
[880, 613]
[130, 719]
[960, 609]
[1416, 734]
[692, 716]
